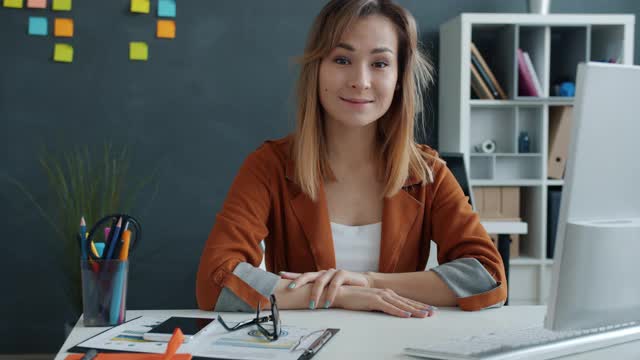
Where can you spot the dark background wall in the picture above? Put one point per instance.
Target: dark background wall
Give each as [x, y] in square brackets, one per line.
[199, 105]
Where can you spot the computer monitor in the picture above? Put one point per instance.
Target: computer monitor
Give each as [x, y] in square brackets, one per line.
[596, 271]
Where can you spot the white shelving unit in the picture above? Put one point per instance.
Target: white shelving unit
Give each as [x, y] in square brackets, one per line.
[556, 44]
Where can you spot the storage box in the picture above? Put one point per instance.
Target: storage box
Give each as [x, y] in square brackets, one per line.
[498, 202]
[514, 249]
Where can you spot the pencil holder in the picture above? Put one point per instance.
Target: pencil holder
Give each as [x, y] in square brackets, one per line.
[104, 291]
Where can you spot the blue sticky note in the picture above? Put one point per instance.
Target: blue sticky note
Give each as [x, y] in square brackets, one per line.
[38, 25]
[167, 8]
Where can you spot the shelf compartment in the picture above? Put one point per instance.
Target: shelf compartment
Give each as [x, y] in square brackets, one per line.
[515, 167]
[568, 48]
[532, 40]
[481, 167]
[607, 42]
[495, 124]
[530, 121]
[526, 274]
[496, 45]
[533, 210]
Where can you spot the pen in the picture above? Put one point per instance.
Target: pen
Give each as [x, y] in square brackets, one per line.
[107, 231]
[116, 310]
[114, 240]
[316, 345]
[83, 238]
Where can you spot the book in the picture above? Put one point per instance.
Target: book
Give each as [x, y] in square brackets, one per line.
[525, 80]
[478, 85]
[534, 75]
[483, 68]
[553, 212]
[485, 77]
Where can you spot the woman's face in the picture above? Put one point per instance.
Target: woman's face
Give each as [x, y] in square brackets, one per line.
[358, 78]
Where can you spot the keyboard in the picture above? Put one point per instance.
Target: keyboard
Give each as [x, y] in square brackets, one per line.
[531, 343]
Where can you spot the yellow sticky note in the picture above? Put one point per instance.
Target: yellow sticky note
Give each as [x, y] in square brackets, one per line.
[61, 5]
[16, 4]
[63, 53]
[166, 29]
[140, 6]
[138, 50]
[63, 27]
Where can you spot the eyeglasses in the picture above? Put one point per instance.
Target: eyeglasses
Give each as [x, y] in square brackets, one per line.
[271, 334]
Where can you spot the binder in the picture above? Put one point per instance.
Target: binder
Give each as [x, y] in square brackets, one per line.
[484, 68]
[559, 136]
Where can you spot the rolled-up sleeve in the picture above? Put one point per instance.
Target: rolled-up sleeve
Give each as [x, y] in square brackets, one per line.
[262, 281]
[228, 264]
[470, 263]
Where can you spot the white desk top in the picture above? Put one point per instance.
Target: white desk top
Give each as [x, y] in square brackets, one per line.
[368, 335]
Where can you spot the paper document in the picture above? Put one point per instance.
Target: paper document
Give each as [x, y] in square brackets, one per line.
[247, 343]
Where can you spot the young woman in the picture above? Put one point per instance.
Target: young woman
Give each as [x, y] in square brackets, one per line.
[348, 203]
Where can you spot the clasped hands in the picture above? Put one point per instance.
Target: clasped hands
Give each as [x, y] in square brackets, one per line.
[354, 291]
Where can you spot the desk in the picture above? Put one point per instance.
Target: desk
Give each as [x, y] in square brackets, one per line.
[504, 229]
[368, 335]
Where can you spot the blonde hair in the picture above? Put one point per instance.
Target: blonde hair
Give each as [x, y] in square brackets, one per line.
[399, 155]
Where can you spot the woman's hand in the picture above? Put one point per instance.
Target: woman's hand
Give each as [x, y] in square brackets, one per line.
[330, 279]
[385, 300]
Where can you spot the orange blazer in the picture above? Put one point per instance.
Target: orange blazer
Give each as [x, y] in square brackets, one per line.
[265, 203]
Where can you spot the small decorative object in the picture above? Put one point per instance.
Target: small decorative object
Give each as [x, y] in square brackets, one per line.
[539, 6]
[567, 88]
[523, 142]
[487, 147]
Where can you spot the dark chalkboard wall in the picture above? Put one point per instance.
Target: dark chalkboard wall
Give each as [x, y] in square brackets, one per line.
[199, 105]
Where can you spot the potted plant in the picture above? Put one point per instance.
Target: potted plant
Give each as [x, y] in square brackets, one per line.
[86, 184]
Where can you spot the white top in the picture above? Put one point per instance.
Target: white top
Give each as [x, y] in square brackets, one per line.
[357, 248]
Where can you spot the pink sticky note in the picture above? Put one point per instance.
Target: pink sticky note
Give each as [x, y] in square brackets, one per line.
[37, 4]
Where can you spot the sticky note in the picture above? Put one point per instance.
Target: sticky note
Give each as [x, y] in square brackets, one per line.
[63, 53]
[61, 5]
[167, 8]
[37, 4]
[166, 29]
[138, 50]
[140, 6]
[63, 27]
[16, 4]
[38, 25]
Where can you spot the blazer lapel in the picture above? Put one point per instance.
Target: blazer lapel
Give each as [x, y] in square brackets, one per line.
[314, 220]
[398, 216]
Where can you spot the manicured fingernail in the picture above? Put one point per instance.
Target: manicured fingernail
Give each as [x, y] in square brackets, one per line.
[424, 311]
[407, 313]
[292, 285]
[282, 272]
[312, 304]
[326, 304]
